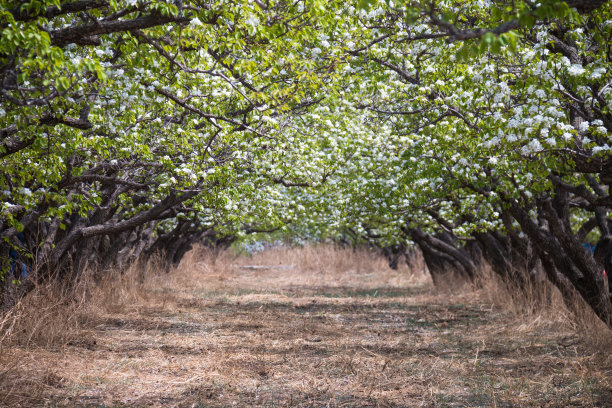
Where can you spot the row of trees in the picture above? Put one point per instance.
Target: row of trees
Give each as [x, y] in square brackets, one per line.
[135, 127]
[479, 132]
[492, 153]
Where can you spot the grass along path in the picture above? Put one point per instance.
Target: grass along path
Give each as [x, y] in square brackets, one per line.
[328, 330]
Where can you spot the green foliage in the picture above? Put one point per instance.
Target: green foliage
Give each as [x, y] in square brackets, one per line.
[317, 118]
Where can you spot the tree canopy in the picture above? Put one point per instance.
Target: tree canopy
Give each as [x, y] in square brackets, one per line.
[478, 131]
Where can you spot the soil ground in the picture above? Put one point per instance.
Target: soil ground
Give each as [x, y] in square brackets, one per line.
[242, 333]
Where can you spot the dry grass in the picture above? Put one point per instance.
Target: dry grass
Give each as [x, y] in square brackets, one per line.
[542, 303]
[316, 327]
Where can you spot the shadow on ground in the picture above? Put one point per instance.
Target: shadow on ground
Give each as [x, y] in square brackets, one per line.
[312, 346]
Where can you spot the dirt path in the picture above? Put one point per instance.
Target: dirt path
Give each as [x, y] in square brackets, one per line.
[289, 337]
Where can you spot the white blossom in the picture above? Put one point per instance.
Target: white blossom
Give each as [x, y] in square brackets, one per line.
[575, 70]
[252, 21]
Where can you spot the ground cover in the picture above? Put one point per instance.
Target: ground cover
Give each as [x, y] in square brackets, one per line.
[314, 328]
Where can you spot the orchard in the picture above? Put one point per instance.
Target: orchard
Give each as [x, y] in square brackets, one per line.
[477, 132]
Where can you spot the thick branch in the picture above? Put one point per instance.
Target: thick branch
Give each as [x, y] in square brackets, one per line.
[20, 14]
[76, 34]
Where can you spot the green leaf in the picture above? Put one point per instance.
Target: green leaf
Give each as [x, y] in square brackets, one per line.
[365, 4]
[526, 20]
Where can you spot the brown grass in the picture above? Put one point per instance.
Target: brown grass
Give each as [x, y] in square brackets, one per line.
[542, 303]
[311, 327]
